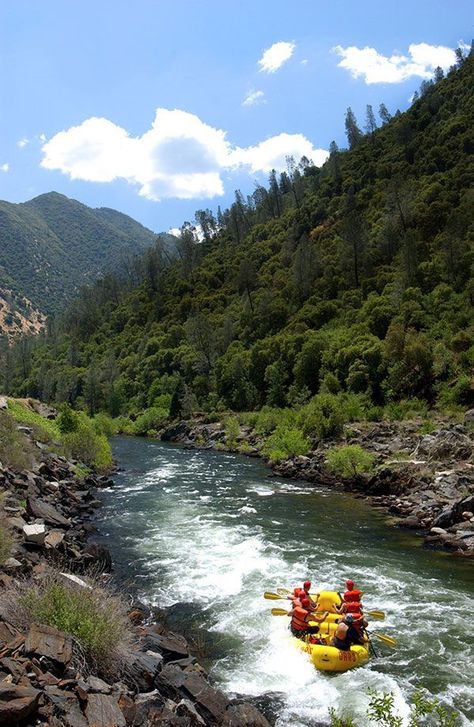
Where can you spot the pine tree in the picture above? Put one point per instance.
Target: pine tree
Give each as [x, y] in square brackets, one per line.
[384, 114]
[370, 122]
[353, 133]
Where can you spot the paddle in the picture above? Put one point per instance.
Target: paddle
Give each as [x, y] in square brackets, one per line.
[283, 591]
[378, 615]
[386, 639]
[283, 612]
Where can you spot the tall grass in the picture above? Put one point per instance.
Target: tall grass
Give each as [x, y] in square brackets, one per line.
[96, 618]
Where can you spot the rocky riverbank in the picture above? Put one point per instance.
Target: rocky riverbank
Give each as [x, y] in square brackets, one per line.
[46, 513]
[424, 481]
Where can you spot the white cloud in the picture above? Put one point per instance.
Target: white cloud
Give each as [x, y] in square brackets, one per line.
[275, 56]
[23, 142]
[5, 167]
[271, 153]
[42, 137]
[175, 231]
[180, 156]
[254, 98]
[374, 67]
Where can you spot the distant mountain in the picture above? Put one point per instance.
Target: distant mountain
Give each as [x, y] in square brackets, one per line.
[52, 245]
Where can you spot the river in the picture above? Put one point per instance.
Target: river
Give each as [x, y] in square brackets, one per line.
[213, 531]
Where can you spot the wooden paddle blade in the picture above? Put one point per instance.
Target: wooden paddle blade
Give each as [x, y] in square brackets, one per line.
[283, 591]
[386, 639]
[272, 596]
[379, 615]
[279, 612]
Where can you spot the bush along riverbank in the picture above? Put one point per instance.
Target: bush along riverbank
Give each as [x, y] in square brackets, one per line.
[74, 653]
[420, 472]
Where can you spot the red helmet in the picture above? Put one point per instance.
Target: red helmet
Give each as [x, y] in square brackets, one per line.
[305, 602]
[307, 585]
[350, 585]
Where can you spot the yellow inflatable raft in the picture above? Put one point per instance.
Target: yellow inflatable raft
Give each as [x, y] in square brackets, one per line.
[324, 656]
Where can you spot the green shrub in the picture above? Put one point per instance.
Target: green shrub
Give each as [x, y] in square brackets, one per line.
[123, 425]
[96, 618]
[381, 711]
[323, 417]
[406, 409]
[152, 418]
[285, 443]
[16, 451]
[268, 419]
[67, 419]
[104, 424]
[232, 431]
[89, 447]
[350, 460]
[355, 406]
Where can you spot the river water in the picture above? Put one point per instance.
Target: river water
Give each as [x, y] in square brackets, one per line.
[213, 531]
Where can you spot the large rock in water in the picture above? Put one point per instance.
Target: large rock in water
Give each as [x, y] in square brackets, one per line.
[17, 703]
[175, 431]
[453, 513]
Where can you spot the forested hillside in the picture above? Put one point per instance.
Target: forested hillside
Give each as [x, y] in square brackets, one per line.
[52, 245]
[353, 279]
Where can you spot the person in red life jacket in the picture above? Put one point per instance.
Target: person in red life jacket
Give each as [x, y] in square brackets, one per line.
[305, 590]
[353, 607]
[296, 596]
[300, 616]
[346, 634]
[352, 593]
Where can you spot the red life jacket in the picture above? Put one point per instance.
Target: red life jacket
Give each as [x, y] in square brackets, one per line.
[298, 617]
[353, 607]
[350, 596]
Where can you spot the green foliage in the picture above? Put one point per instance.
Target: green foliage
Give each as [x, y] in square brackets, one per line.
[285, 443]
[323, 417]
[232, 431]
[96, 618]
[353, 280]
[350, 460]
[73, 245]
[381, 708]
[16, 451]
[89, 447]
[104, 424]
[123, 425]
[381, 711]
[67, 420]
[151, 419]
[44, 429]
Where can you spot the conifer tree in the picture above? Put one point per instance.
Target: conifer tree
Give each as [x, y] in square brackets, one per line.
[384, 114]
[353, 133]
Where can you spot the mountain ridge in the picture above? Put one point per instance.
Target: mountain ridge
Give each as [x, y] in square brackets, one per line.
[52, 245]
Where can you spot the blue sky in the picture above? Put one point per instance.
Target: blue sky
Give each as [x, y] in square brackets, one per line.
[82, 82]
